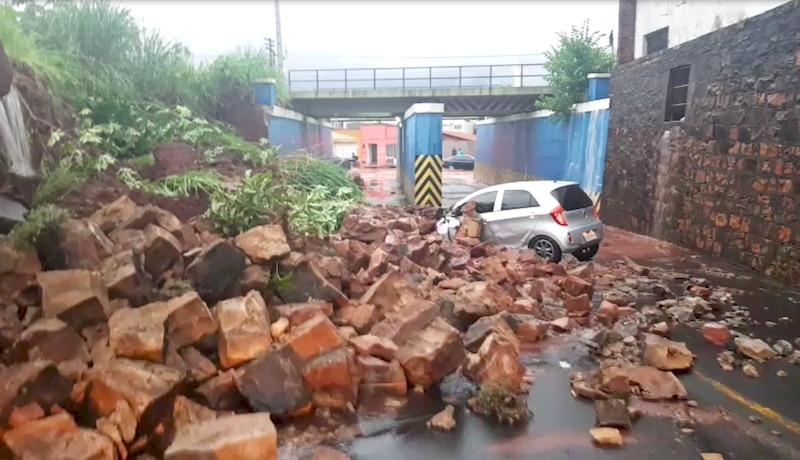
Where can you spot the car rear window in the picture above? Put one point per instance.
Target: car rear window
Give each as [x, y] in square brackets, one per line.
[572, 197]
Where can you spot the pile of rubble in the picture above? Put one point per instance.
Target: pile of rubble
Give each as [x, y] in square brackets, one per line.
[148, 336]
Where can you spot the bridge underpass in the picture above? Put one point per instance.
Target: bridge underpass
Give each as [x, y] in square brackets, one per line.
[378, 93]
[421, 97]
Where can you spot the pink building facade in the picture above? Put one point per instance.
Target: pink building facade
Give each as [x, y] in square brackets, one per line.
[378, 146]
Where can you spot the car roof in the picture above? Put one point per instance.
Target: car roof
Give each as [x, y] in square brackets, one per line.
[534, 186]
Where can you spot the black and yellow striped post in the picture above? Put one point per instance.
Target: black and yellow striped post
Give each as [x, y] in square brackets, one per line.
[428, 180]
[421, 155]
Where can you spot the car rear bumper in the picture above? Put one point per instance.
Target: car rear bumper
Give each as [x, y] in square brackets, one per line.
[581, 237]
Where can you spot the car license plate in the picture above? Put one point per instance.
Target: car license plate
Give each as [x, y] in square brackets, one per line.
[589, 236]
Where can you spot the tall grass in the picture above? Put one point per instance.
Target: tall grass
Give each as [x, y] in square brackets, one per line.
[114, 63]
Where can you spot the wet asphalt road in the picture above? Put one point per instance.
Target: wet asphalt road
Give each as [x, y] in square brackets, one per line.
[561, 424]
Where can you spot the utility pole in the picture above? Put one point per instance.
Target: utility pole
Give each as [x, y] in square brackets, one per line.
[271, 51]
[278, 35]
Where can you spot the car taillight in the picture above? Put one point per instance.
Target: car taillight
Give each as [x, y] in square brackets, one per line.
[596, 212]
[558, 215]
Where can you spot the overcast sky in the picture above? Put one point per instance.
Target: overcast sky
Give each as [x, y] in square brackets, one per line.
[336, 34]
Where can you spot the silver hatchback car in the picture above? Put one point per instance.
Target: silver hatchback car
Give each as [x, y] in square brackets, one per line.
[551, 217]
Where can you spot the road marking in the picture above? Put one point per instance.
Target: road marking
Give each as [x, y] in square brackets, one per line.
[764, 411]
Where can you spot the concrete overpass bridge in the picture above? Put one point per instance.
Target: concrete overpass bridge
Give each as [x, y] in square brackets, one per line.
[373, 93]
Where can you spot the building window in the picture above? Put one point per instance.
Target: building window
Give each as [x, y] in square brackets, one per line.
[391, 150]
[656, 41]
[677, 93]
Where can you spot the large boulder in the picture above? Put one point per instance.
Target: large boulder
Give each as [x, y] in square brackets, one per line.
[81, 245]
[77, 297]
[18, 270]
[244, 332]
[381, 377]
[431, 354]
[496, 362]
[399, 327]
[139, 333]
[125, 278]
[298, 313]
[308, 282]
[666, 355]
[273, 383]
[264, 243]
[114, 214]
[334, 379]
[655, 384]
[372, 345]
[32, 382]
[162, 251]
[314, 337]
[52, 340]
[236, 437]
[189, 321]
[479, 299]
[58, 436]
[216, 271]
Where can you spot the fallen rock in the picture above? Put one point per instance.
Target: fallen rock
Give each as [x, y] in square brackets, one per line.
[138, 333]
[750, 370]
[716, 333]
[707, 456]
[360, 316]
[18, 270]
[661, 329]
[754, 348]
[314, 337]
[578, 306]
[264, 243]
[221, 392]
[496, 362]
[444, 420]
[607, 313]
[390, 293]
[479, 299]
[59, 437]
[575, 286]
[481, 329]
[77, 297]
[189, 321]
[124, 276]
[528, 328]
[657, 385]
[606, 437]
[783, 348]
[612, 413]
[308, 282]
[114, 214]
[399, 327]
[255, 278]
[81, 245]
[613, 381]
[372, 345]
[244, 329]
[431, 354]
[162, 251]
[239, 437]
[564, 324]
[52, 340]
[298, 313]
[273, 383]
[666, 355]
[32, 382]
[27, 413]
[381, 377]
[333, 378]
[354, 252]
[139, 383]
[216, 271]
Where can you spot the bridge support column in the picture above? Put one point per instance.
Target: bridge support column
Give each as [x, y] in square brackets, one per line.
[421, 175]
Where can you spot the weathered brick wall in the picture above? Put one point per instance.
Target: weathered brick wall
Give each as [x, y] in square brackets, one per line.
[725, 180]
[626, 31]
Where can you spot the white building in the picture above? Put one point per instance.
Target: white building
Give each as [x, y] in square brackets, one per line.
[663, 24]
[459, 126]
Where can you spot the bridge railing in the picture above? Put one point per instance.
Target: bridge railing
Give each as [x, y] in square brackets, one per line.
[399, 78]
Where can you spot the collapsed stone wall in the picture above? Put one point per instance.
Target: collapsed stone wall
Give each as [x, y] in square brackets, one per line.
[725, 180]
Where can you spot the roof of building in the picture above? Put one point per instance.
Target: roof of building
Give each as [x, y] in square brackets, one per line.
[459, 135]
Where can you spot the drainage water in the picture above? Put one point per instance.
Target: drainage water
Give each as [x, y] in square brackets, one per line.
[14, 137]
[663, 192]
[586, 149]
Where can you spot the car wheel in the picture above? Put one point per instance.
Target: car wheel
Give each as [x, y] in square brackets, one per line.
[587, 254]
[546, 248]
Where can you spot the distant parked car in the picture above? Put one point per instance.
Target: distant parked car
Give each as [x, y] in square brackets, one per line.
[459, 162]
[550, 217]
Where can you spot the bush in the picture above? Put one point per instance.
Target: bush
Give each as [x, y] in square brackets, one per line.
[252, 204]
[499, 403]
[39, 224]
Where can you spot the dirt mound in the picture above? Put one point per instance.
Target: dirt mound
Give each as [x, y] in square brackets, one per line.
[174, 158]
[183, 208]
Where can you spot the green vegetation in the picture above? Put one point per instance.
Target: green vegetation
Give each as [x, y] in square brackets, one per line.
[41, 222]
[577, 54]
[130, 89]
[498, 402]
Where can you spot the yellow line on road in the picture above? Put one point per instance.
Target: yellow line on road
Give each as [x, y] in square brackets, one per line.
[764, 411]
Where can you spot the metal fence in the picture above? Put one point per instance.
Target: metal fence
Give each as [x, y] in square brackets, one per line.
[399, 78]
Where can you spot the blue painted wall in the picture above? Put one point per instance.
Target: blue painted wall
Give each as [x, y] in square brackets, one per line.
[293, 135]
[535, 147]
[422, 135]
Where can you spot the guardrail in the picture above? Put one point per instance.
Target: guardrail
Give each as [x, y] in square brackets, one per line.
[435, 77]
